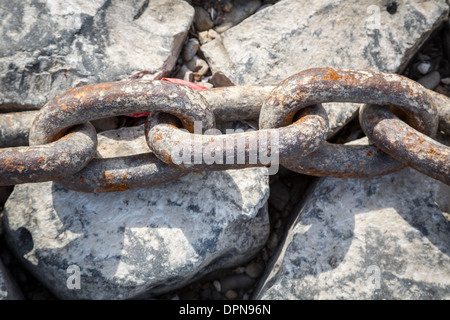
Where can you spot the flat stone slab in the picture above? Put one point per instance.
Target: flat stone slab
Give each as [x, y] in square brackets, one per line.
[381, 238]
[47, 47]
[137, 243]
[294, 35]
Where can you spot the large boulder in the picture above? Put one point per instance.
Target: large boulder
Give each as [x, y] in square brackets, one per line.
[137, 243]
[47, 47]
[294, 35]
[381, 238]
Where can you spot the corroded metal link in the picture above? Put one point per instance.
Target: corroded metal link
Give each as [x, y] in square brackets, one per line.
[404, 143]
[360, 160]
[103, 100]
[123, 161]
[122, 173]
[332, 85]
[237, 150]
[321, 85]
[52, 161]
[15, 127]
[443, 108]
[107, 99]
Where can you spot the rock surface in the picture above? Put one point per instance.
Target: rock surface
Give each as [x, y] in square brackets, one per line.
[49, 46]
[141, 242]
[293, 35]
[382, 238]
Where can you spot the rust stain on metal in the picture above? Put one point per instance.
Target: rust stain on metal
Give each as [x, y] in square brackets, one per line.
[52, 161]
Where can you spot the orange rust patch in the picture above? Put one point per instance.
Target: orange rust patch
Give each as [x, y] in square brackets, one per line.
[420, 140]
[332, 75]
[167, 156]
[112, 185]
[433, 152]
[369, 153]
[361, 163]
[157, 137]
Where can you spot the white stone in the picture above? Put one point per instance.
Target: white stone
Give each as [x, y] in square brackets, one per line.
[141, 242]
[380, 238]
[47, 47]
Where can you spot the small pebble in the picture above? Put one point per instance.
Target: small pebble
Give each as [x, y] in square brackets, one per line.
[424, 67]
[185, 73]
[423, 57]
[199, 66]
[277, 224]
[217, 285]
[431, 80]
[254, 269]
[231, 294]
[227, 6]
[445, 81]
[190, 49]
[205, 84]
[202, 20]
[219, 80]
[239, 270]
[236, 281]
[273, 241]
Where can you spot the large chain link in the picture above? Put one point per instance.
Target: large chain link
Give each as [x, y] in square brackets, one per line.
[293, 128]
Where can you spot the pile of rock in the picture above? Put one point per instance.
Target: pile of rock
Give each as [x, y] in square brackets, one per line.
[236, 234]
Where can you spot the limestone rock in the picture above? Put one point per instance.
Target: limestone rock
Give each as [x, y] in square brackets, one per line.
[294, 35]
[49, 46]
[142, 242]
[381, 238]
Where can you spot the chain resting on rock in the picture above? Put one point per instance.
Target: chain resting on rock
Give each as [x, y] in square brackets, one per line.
[400, 119]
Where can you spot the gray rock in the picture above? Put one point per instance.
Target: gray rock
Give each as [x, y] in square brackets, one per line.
[9, 290]
[141, 242]
[47, 47]
[241, 10]
[431, 80]
[220, 80]
[198, 66]
[381, 238]
[424, 67]
[190, 49]
[185, 73]
[206, 36]
[294, 35]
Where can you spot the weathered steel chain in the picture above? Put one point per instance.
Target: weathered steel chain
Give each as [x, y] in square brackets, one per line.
[63, 142]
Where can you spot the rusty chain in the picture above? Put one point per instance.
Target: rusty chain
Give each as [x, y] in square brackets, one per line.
[400, 119]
